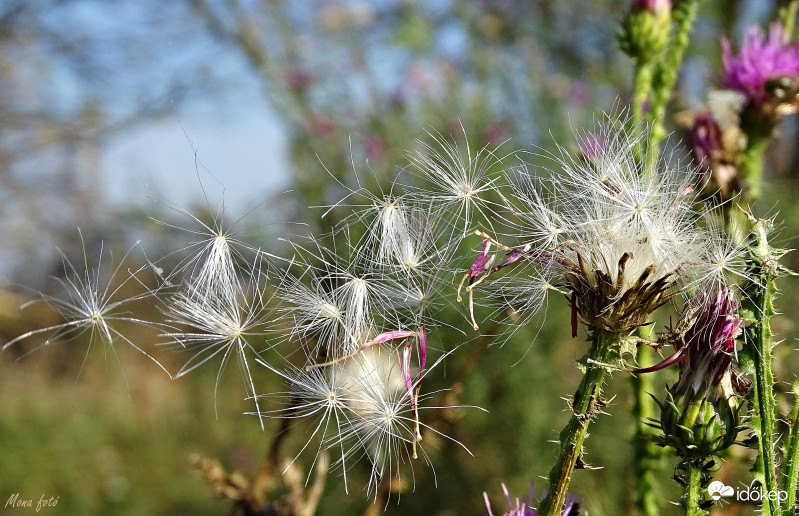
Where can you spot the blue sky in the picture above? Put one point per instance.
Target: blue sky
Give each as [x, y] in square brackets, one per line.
[247, 156]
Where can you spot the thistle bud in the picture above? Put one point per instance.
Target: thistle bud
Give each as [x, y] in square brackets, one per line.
[700, 415]
[698, 427]
[645, 30]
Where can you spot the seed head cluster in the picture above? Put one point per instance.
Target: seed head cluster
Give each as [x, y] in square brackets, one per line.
[618, 235]
[348, 319]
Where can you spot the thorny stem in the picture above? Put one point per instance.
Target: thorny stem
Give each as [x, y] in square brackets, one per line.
[758, 308]
[586, 404]
[790, 478]
[694, 490]
[665, 75]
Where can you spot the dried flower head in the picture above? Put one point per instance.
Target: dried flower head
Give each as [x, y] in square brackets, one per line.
[719, 173]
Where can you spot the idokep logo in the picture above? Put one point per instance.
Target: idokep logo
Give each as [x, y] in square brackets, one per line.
[718, 490]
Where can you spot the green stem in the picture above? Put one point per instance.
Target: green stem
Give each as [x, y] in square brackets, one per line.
[791, 461]
[694, 491]
[683, 15]
[751, 165]
[586, 404]
[788, 19]
[642, 85]
[758, 302]
[646, 453]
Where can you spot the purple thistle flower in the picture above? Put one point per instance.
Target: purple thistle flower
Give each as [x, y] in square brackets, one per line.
[710, 342]
[700, 415]
[705, 350]
[523, 506]
[759, 60]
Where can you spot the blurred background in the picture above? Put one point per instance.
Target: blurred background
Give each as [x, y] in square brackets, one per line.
[115, 115]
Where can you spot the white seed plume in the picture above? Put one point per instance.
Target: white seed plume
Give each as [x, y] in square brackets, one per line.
[91, 300]
[462, 181]
[225, 319]
[359, 406]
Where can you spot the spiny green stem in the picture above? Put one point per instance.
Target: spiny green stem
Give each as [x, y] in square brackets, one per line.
[694, 491]
[758, 302]
[586, 404]
[791, 460]
[683, 15]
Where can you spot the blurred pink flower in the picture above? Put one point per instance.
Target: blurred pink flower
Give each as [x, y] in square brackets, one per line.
[297, 79]
[374, 146]
[495, 134]
[321, 125]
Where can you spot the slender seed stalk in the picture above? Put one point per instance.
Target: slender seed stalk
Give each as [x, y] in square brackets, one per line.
[694, 490]
[586, 404]
[758, 309]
